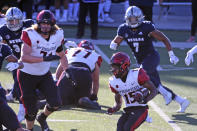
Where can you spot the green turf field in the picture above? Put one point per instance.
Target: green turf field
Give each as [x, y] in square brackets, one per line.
[183, 82]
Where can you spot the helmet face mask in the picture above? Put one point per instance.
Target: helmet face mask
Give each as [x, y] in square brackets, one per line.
[45, 20]
[14, 19]
[134, 16]
[86, 44]
[120, 63]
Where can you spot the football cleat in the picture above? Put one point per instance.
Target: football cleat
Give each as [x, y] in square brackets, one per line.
[9, 97]
[87, 103]
[183, 106]
[43, 123]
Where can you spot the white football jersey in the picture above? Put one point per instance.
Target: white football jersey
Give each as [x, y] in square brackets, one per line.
[89, 57]
[40, 47]
[126, 89]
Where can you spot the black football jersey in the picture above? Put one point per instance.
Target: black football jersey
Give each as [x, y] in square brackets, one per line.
[138, 39]
[12, 38]
[5, 51]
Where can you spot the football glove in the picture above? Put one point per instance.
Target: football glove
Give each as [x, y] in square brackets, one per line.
[110, 111]
[12, 66]
[189, 59]
[173, 58]
[70, 44]
[51, 58]
[113, 45]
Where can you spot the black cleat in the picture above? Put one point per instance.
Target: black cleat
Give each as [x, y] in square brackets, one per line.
[42, 121]
[87, 103]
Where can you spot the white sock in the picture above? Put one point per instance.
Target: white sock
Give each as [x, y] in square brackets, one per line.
[57, 13]
[162, 90]
[65, 12]
[100, 11]
[76, 9]
[107, 5]
[179, 99]
[70, 10]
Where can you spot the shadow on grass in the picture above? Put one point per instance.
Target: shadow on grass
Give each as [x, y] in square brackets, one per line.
[36, 127]
[187, 118]
[77, 108]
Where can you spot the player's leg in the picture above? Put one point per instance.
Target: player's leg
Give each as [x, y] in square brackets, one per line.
[66, 89]
[83, 88]
[8, 117]
[150, 64]
[27, 84]
[135, 118]
[121, 121]
[49, 89]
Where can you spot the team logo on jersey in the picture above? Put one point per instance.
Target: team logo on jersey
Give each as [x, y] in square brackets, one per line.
[135, 39]
[7, 37]
[140, 33]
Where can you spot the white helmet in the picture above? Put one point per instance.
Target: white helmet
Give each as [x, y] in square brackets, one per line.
[134, 16]
[14, 13]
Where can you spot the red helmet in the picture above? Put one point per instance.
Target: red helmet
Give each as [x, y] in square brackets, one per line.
[122, 60]
[86, 44]
[46, 16]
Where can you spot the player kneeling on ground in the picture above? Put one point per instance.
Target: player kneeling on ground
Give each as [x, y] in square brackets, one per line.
[135, 87]
[80, 82]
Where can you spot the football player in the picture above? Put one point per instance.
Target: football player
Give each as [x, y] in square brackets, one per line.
[135, 87]
[8, 117]
[42, 43]
[11, 33]
[189, 58]
[139, 35]
[80, 82]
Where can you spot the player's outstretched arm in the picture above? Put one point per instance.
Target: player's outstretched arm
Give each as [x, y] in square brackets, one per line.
[117, 105]
[189, 58]
[161, 37]
[116, 42]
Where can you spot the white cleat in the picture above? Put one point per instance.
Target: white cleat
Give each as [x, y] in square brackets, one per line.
[108, 19]
[149, 119]
[21, 113]
[9, 97]
[183, 106]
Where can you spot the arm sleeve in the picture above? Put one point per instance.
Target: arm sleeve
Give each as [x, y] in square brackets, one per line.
[112, 89]
[121, 31]
[6, 51]
[142, 76]
[25, 38]
[99, 61]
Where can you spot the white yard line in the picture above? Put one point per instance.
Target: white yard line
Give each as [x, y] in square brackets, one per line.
[151, 103]
[56, 120]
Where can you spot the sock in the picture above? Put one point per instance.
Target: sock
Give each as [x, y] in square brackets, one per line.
[65, 12]
[179, 99]
[107, 6]
[70, 10]
[100, 11]
[57, 13]
[76, 9]
[163, 91]
[21, 107]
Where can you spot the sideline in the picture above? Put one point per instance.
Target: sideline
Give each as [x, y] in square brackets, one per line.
[151, 103]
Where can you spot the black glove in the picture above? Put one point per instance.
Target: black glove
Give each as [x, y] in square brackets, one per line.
[51, 58]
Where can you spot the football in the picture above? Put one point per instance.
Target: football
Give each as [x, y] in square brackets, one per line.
[140, 94]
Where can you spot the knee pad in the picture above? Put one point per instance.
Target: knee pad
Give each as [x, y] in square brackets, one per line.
[30, 117]
[51, 109]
